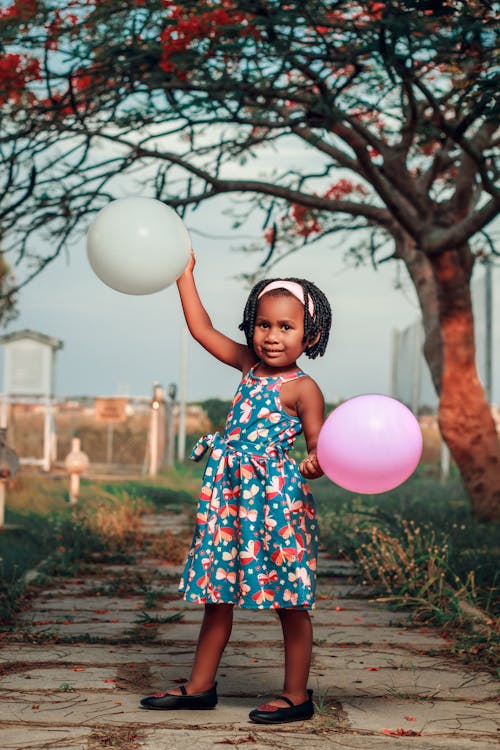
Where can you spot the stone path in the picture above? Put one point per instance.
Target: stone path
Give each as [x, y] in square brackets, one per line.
[89, 647]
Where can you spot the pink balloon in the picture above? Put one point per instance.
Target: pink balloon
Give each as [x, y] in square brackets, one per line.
[370, 444]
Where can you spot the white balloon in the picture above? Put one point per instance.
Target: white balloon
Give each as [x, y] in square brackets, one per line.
[138, 245]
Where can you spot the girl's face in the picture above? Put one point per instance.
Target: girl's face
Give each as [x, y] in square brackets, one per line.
[279, 330]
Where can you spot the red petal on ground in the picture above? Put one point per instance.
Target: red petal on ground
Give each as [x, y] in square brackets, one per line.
[400, 732]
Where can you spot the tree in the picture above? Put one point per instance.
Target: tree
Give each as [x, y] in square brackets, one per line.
[393, 100]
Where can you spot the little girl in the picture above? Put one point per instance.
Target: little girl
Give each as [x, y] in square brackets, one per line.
[255, 543]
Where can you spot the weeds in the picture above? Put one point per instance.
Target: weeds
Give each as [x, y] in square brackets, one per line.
[11, 590]
[420, 548]
[146, 618]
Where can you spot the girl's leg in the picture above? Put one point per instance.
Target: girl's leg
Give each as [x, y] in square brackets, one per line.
[297, 634]
[214, 635]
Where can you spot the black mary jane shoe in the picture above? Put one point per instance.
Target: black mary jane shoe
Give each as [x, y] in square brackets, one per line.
[299, 712]
[169, 702]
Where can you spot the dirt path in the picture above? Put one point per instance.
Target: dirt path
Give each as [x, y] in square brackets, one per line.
[89, 647]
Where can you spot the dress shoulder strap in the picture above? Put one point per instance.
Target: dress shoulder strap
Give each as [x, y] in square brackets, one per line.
[280, 378]
[293, 376]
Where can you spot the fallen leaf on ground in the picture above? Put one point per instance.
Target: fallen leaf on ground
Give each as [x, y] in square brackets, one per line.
[410, 718]
[236, 741]
[400, 732]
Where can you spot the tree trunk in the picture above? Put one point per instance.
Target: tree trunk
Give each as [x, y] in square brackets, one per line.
[422, 275]
[464, 414]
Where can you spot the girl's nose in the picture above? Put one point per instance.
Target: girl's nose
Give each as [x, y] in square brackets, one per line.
[271, 334]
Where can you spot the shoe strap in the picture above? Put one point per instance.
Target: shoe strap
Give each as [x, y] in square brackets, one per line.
[183, 690]
[287, 700]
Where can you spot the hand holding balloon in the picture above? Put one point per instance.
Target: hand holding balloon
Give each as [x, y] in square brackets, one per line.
[370, 444]
[138, 245]
[309, 467]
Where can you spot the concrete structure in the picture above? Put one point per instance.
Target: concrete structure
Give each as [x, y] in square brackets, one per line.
[29, 374]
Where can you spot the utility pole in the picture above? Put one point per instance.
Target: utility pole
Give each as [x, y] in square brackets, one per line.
[488, 304]
[170, 424]
[181, 437]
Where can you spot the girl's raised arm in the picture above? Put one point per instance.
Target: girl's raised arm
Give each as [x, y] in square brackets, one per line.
[200, 326]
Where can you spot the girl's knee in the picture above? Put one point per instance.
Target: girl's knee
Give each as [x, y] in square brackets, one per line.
[216, 611]
[295, 614]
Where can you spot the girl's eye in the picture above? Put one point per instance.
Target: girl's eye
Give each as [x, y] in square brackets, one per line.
[285, 327]
[262, 325]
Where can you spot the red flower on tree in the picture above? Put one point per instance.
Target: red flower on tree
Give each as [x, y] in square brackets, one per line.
[187, 31]
[20, 10]
[305, 222]
[16, 71]
[344, 187]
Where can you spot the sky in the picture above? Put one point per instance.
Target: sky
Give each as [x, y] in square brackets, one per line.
[119, 344]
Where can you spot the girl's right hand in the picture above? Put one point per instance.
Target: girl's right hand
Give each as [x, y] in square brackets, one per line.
[188, 271]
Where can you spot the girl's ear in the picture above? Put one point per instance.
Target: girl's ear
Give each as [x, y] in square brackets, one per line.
[312, 340]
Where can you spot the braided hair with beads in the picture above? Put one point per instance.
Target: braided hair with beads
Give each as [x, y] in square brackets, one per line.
[318, 323]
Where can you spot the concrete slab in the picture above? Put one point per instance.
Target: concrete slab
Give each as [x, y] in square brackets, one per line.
[58, 618]
[68, 586]
[379, 636]
[256, 737]
[365, 657]
[96, 604]
[349, 604]
[429, 717]
[43, 738]
[101, 631]
[104, 654]
[62, 679]
[146, 567]
[328, 566]
[332, 588]
[363, 616]
[188, 632]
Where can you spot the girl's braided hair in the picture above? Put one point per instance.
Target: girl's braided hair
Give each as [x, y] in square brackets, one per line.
[320, 322]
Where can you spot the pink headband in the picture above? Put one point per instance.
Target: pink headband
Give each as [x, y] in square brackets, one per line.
[291, 286]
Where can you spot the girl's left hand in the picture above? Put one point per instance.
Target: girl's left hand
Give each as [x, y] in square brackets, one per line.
[309, 467]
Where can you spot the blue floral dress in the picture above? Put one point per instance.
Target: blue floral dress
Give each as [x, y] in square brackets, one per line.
[255, 541]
